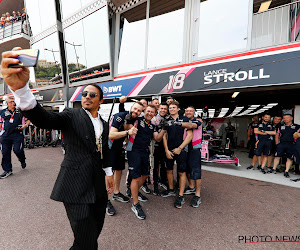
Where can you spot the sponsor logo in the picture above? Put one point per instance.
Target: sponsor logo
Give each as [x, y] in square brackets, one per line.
[221, 75]
[112, 89]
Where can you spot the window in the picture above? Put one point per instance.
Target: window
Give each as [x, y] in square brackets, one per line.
[41, 14]
[132, 40]
[87, 46]
[49, 66]
[166, 31]
[223, 26]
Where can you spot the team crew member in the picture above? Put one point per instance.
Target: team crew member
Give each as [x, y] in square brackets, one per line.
[252, 142]
[264, 133]
[251, 135]
[210, 128]
[117, 135]
[176, 149]
[81, 181]
[155, 102]
[297, 152]
[230, 130]
[170, 99]
[194, 159]
[276, 122]
[285, 143]
[138, 155]
[159, 152]
[12, 138]
[145, 188]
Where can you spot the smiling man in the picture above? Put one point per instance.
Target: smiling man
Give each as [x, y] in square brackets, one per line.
[117, 135]
[80, 184]
[138, 155]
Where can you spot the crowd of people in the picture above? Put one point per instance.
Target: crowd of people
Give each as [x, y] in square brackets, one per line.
[272, 140]
[155, 133]
[9, 18]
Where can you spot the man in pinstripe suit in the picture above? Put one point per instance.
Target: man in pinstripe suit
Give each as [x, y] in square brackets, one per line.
[80, 184]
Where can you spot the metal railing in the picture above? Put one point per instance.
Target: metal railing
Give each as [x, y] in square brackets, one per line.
[15, 28]
[276, 26]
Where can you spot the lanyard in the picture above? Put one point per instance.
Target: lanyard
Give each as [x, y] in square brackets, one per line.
[12, 114]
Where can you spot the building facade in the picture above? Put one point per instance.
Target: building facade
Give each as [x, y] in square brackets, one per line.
[201, 52]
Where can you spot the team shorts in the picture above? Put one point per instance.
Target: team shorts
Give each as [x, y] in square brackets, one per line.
[180, 160]
[263, 147]
[117, 159]
[285, 147]
[138, 163]
[273, 149]
[194, 164]
[297, 154]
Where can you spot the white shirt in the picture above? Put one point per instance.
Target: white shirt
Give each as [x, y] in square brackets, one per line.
[25, 100]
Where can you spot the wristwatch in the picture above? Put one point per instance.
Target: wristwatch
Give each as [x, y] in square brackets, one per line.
[127, 133]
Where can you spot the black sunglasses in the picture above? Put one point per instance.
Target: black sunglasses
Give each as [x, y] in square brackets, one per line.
[92, 94]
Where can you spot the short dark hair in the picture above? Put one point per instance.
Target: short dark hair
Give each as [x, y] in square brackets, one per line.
[139, 103]
[190, 106]
[163, 104]
[155, 99]
[170, 97]
[266, 113]
[174, 103]
[99, 88]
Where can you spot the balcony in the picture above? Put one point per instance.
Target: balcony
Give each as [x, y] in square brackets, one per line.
[276, 26]
[16, 34]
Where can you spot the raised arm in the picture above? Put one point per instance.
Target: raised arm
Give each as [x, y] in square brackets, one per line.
[115, 134]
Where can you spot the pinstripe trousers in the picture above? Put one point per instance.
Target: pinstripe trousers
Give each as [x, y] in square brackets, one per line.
[86, 221]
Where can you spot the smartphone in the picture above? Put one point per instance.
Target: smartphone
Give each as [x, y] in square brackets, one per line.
[27, 58]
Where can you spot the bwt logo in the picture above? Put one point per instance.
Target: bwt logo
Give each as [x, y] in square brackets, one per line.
[112, 89]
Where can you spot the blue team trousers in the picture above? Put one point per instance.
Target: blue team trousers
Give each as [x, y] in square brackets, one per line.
[15, 142]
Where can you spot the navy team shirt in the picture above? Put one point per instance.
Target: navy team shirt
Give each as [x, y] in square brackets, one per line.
[265, 127]
[11, 128]
[118, 123]
[144, 135]
[252, 126]
[286, 132]
[176, 133]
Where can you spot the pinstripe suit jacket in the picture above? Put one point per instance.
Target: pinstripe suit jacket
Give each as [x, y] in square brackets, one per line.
[81, 178]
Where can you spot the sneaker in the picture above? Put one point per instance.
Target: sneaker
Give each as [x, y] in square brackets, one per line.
[272, 171]
[6, 174]
[164, 186]
[120, 197]
[110, 210]
[145, 189]
[286, 174]
[189, 190]
[250, 167]
[179, 202]
[128, 192]
[142, 197]
[137, 209]
[259, 167]
[23, 165]
[263, 171]
[196, 201]
[167, 193]
[156, 192]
